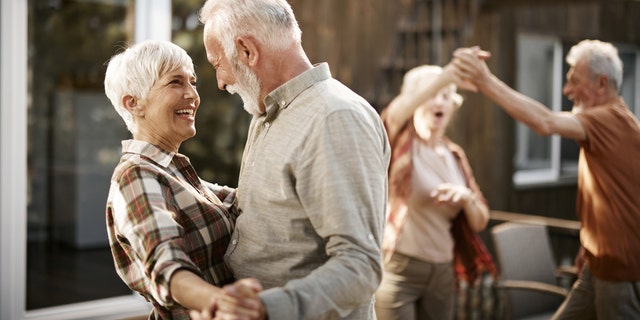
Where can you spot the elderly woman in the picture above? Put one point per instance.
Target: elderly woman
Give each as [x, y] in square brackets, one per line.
[434, 202]
[168, 229]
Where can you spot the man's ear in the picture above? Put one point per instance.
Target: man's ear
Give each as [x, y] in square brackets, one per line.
[603, 83]
[131, 103]
[247, 50]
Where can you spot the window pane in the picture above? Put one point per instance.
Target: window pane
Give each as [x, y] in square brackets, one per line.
[534, 79]
[569, 149]
[73, 145]
[629, 78]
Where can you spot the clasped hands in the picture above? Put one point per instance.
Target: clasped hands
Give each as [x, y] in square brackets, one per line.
[236, 301]
[468, 69]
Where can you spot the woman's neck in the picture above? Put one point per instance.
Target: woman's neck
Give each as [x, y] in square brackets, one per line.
[430, 138]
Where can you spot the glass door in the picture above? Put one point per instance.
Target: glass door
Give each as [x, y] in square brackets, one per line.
[60, 140]
[73, 144]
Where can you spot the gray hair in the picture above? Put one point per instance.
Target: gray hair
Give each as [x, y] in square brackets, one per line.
[271, 22]
[603, 60]
[136, 69]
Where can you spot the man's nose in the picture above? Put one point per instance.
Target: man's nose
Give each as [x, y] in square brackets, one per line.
[221, 84]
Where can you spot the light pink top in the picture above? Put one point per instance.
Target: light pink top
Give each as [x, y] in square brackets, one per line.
[426, 234]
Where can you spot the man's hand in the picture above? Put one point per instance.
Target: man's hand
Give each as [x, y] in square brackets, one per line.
[237, 301]
[456, 76]
[470, 65]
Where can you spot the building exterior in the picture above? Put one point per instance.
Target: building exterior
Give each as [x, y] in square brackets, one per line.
[59, 137]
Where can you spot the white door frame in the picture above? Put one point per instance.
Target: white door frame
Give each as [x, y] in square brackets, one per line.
[13, 158]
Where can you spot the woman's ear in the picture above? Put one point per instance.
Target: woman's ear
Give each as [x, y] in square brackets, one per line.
[247, 50]
[131, 104]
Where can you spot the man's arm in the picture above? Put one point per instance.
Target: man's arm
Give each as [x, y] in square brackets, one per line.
[342, 187]
[522, 108]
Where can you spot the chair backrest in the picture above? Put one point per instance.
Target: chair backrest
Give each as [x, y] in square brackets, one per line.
[524, 253]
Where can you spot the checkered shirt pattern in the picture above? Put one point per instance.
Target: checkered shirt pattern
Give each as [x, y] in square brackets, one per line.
[161, 217]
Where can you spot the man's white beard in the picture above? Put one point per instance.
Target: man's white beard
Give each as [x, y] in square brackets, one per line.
[247, 87]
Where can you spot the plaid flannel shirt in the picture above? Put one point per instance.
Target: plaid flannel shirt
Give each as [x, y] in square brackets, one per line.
[161, 217]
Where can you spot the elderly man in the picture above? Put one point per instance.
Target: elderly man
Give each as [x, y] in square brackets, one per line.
[312, 189]
[608, 204]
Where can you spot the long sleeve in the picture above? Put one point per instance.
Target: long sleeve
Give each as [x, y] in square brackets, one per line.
[312, 196]
[342, 186]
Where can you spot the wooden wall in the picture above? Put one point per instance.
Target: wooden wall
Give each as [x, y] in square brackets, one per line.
[353, 36]
[358, 38]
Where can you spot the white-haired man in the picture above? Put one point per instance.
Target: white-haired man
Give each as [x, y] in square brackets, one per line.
[312, 190]
[608, 205]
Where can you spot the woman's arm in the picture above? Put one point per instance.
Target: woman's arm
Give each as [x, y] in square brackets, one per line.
[477, 212]
[191, 291]
[401, 108]
[475, 209]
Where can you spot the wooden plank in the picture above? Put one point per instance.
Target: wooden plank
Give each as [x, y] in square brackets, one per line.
[568, 226]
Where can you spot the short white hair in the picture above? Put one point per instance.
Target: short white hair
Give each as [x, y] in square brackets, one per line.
[423, 75]
[136, 69]
[603, 60]
[270, 22]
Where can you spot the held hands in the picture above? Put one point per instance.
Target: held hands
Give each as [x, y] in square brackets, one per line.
[237, 301]
[457, 77]
[469, 67]
[452, 194]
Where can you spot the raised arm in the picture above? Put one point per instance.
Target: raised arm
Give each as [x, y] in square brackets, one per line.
[522, 108]
[401, 108]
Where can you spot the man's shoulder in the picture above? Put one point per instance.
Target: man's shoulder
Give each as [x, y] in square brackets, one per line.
[333, 95]
[606, 114]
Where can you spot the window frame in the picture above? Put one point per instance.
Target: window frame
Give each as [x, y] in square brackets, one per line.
[551, 174]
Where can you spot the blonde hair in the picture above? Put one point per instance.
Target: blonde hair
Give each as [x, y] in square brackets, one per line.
[423, 75]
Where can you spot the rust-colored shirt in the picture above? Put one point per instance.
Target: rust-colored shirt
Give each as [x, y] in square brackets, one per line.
[608, 201]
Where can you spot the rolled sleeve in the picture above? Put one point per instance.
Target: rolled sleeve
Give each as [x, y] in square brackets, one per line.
[152, 234]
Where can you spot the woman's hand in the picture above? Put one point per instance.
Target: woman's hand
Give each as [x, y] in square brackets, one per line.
[452, 194]
[470, 67]
[462, 197]
[237, 301]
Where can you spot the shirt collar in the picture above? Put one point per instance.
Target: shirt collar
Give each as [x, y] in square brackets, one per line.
[281, 97]
[148, 150]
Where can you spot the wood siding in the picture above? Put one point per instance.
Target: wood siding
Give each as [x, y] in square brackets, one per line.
[361, 39]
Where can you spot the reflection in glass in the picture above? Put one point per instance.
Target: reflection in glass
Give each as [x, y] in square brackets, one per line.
[73, 144]
[74, 140]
